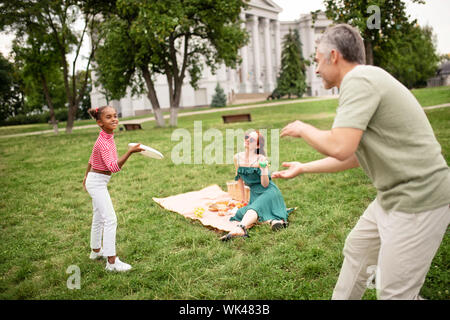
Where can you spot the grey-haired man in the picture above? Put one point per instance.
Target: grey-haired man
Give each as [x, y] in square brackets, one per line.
[380, 126]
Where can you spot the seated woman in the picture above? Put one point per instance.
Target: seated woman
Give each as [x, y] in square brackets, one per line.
[266, 202]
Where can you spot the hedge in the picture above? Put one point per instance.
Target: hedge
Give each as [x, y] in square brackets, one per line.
[44, 117]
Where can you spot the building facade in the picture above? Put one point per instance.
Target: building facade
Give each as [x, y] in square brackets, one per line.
[442, 77]
[257, 73]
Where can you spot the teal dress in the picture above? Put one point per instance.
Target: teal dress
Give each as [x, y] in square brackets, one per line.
[267, 202]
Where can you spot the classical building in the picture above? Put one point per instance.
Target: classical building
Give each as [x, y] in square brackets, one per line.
[257, 74]
[309, 33]
[442, 77]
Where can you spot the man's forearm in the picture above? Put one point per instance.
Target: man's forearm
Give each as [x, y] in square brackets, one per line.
[321, 140]
[339, 143]
[329, 165]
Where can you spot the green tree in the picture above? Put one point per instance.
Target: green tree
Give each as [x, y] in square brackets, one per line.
[57, 18]
[85, 102]
[362, 14]
[396, 44]
[444, 57]
[291, 80]
[410, 57]
[173, 38]
[124, 60]
[11, 93]
[40, 72]
[219, 99]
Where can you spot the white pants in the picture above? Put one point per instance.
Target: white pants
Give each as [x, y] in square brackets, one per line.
[104, 220]
[398, 246]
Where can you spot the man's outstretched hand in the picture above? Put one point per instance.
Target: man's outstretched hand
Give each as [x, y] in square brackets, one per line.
[293, 129]
[294, 169]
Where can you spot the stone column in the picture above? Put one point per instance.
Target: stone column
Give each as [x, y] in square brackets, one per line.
[268, 85]
[257, 84]
[245, 84]
[277, 46]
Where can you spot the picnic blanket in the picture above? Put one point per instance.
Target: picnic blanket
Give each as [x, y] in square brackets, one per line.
[186, 203]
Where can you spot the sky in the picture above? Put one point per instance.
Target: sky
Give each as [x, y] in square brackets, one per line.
[435, 13]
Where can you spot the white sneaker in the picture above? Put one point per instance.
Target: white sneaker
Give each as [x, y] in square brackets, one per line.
[97, 255]
[117, 266]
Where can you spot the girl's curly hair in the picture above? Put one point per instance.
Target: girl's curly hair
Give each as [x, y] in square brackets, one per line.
[95, 113]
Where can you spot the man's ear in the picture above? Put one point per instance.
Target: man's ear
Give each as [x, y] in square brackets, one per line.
[334, 56]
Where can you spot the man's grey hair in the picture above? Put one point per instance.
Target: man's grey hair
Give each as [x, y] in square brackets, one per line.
[345, 39]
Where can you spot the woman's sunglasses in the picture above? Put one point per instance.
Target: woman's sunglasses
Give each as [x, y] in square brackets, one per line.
[251, 139]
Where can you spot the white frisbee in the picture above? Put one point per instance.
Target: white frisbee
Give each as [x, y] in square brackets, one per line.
[149, 152]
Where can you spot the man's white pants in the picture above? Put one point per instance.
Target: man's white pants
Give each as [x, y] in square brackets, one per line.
[104, 220]
[399, 246]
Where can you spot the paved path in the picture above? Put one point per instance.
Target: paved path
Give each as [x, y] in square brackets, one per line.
[213, 110]
[186, 114]
[183, 114]
[444, 105]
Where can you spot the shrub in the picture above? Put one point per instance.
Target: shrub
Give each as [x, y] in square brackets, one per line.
[219, 99]
[44, 117]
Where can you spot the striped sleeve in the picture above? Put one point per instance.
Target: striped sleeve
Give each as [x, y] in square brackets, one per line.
[109, 158]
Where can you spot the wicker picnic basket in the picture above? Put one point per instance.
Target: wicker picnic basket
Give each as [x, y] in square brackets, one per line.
[234, 190]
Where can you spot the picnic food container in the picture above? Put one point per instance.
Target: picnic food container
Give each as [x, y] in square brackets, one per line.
[234, 190]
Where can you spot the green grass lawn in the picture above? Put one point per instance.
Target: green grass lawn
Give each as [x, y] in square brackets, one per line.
[16, 129]
[426, 97]
[45, 219]
[432, 96]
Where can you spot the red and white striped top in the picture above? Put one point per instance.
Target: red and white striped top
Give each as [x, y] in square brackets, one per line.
[104, 153]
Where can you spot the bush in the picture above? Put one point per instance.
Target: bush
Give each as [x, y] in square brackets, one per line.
[44, 117]
[24, 119]
[275, 95]
[219, 99]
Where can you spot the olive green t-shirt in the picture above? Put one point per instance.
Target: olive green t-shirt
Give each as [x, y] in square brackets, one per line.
[398, 149]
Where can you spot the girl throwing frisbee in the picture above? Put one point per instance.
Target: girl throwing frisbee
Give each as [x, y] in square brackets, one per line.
[102, 163]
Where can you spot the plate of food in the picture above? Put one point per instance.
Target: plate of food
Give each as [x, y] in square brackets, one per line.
[223, 208]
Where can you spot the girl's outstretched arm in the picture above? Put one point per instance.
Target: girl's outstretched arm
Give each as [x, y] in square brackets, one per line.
[127, 154]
